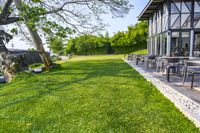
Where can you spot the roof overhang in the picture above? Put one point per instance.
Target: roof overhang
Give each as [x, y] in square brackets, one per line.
[149, 9]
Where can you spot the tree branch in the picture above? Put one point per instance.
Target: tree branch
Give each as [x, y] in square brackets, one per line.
[9, 20]
[6, 13]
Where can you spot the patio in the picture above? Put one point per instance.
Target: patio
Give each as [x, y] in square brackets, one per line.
[187, 100]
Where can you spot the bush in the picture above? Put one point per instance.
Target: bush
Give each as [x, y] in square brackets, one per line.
[55, 58]
[126, 50]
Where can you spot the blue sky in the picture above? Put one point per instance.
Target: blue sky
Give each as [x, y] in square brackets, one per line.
[117, 24]
[121, 24]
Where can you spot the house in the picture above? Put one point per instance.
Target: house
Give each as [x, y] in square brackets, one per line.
[174, 27]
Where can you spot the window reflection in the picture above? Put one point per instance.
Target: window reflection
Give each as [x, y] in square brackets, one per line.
[180, 14]
[175, 44]
[185, 41]
[196, 48]
[164, 44]
[158, 45]
[196, 6]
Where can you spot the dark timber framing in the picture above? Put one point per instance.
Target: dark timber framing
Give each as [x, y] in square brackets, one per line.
[174, 27]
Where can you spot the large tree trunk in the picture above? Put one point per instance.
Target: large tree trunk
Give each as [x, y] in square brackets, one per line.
[37, 40]
[39, 46]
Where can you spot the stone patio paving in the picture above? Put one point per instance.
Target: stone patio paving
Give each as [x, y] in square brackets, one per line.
[185, 99]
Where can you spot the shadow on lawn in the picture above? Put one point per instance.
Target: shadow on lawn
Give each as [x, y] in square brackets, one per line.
[71, 73]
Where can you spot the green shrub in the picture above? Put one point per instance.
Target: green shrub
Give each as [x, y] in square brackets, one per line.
[55, 58]
[125, 42]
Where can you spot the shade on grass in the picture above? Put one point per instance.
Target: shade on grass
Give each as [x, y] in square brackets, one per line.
[88, 94]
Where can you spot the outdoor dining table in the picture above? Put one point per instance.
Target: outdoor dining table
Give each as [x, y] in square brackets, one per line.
[195, 66]
[170, 61]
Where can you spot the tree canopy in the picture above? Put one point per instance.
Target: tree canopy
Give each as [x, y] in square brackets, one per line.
[61, 17]
[38, 19]
[122, 42]
[56, 44]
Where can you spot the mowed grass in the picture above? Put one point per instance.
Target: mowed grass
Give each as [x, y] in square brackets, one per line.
[88, 94]
[144, 51]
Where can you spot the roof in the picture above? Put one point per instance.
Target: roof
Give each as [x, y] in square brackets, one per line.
[149, 9]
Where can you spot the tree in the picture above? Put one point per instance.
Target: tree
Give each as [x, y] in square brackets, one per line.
[56, 45]
[122, 42]
[135, 37]
[58, 17]
[85, 43]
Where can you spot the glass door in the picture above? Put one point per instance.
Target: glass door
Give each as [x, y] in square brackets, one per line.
[158, 45]
[196, 48]
[185, 44]
[164, 44]
[175, 44]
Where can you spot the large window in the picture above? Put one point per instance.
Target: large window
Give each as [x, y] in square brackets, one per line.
[181, 14]
[158, 45]
[150, 27]
[164, 44]
[185, 44]
[153, 46]
[175, 44]
[180, 43]
[165, 18]
[185, 14]
[149, 45]
[154, 24]
[197, 14]
[159, 19]
[175, 14]
[196, 49]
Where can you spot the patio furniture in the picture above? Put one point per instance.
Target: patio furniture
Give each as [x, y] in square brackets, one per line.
[164, 61]
[191, 67]
[160, 64]
[151, 60]
[137, 58]
[170, 64]
[130, 56]
[140, 57]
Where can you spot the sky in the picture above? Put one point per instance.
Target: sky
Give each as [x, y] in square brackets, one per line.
[121, 24]
[116, 24]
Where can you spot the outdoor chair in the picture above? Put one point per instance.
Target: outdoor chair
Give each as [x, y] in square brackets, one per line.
[140, 57]
[191, 68]
[160, 64]
[130, 56]
[151, 61]
[171, 65]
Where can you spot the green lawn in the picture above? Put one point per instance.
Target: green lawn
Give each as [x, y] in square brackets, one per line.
[144, 51]
[88, 94]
